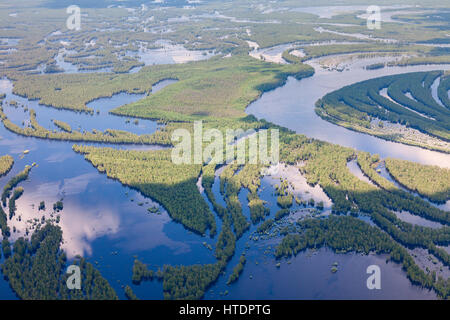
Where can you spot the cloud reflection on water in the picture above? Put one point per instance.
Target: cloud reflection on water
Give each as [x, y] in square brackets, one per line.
[124, 222]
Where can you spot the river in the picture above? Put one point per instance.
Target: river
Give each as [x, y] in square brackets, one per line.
[292, 106]
[109, 223]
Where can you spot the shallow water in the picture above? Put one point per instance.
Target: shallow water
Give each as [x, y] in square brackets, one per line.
[101, 222]
[68, 67]
[100, 216]
[416, 220]
[308, 276]
[168, 53]
[293, 104]
[77, 120]
[328, 12]
[357, 172]
[382, 171]
[434, 91]
[9, 41]
[404, 215]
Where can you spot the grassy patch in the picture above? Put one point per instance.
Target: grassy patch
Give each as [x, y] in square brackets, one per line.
[218, 88]
[156, 176]
[429, 181]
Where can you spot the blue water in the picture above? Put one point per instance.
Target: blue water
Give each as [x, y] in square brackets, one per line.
[104, 221]
[293, 104]
[99, 216]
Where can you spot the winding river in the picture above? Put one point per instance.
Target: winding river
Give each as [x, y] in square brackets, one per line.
[109, 224]
[292, 106]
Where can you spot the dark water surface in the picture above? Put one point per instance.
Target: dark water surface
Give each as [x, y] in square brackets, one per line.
[109, 224]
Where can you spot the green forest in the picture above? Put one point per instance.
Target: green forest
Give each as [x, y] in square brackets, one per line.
[429, 181]
[155, 175]
[36, 270]
[13, 182]
[348, 234]
[355, 106]
[160, 137]
[6, 163]
[107, 57]
[325, 164]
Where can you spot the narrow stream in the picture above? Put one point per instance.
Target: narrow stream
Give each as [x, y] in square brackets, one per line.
[109, 224]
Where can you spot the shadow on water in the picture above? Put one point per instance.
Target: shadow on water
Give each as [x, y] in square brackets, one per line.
[100, 220]
[382, 171]
[295, 110]
[308, 275]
